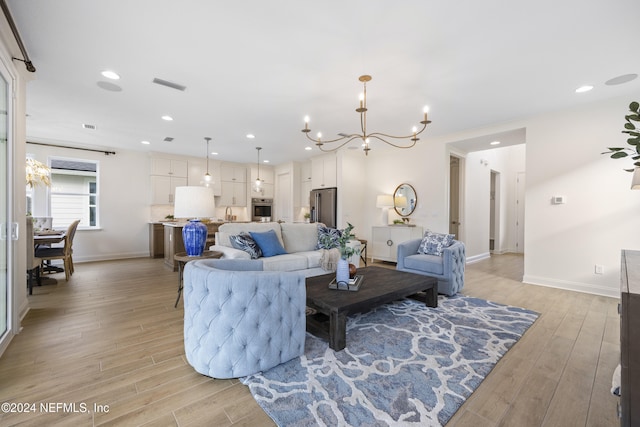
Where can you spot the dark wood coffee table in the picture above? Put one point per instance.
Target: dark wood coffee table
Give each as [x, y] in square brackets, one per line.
[380, 286]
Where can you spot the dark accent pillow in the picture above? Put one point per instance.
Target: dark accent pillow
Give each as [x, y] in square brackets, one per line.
[434, 243]
[328, 237]
[269, 243]
[245, 242]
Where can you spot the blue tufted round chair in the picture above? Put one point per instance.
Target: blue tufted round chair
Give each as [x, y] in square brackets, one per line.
[239, 320]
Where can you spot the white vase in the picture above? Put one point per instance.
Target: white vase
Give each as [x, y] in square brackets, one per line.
[342, 272]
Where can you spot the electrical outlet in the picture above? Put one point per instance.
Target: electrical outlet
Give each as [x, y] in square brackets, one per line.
[599, 269]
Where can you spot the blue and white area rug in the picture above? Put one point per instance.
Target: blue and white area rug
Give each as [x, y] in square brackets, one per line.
[404, 365]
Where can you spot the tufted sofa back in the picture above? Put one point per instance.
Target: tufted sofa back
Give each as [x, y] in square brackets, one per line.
[239, 321]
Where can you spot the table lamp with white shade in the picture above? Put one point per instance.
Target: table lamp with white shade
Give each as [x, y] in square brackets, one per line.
[384, 201]
[194, 203]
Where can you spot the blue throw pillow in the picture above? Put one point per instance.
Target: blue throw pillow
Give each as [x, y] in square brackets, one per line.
[268, 243]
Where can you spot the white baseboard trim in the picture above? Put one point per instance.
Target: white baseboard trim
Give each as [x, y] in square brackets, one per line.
[572, 286]
[478, 257]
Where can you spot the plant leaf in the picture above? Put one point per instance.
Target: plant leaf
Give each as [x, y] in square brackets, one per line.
[619, 155]
[634, 106]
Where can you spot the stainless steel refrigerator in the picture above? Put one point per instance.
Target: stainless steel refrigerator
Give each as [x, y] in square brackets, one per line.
[323, 203]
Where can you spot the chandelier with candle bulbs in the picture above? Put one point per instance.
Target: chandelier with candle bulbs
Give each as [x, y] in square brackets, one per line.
[364, 136]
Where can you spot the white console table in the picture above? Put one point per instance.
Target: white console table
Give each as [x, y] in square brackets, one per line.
[385, 239]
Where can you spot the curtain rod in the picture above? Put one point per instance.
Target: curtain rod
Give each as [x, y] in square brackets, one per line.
[106, 153]
[16, 35]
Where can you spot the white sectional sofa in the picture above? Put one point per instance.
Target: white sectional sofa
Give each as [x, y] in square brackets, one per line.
[298, 239]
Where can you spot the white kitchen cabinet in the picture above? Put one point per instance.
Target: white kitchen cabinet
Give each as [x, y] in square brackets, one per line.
[233, 194]
[324, 171]
[197, 170]
[305, 171]
[385, 240]
[169, 167]
[233, 173]
[163, 188]
[305, 191]
[267, 176]
[233, 179]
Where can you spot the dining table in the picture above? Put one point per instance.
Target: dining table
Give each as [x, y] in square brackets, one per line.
[47, 237]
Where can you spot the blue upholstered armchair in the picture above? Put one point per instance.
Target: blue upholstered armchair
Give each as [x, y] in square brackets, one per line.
[239, 320]
[448, 268]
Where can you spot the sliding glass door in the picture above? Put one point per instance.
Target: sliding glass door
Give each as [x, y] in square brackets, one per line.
[5, 226]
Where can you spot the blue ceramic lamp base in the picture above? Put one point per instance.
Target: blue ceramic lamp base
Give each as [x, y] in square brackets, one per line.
[194, 236]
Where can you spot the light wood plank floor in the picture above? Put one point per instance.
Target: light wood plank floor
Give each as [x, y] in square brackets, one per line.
[111, 337]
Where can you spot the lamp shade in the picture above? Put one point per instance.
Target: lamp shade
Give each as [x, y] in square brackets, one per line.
[384, 201]
[194, 202]
[635, 181]
[400, 202]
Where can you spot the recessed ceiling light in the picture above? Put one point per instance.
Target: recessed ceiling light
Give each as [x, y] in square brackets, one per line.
[250, 136]
[621, 79]
[110, 75]
[494, 143]
[308, 148]
[214, 153]
[145, 142]
[265, 161]
[167, 118]
[585, 88]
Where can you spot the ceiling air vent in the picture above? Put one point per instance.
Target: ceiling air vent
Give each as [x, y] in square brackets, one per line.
[168, 139]
[86, 126]
[169, 84]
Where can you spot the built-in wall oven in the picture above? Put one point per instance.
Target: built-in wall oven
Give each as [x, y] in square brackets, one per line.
[261, 209]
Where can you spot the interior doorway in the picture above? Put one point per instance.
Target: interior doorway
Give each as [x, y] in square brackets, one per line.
[456, 167]
[495, 244]
[520, 193]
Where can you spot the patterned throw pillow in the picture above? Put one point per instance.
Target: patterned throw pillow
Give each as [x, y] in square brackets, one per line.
[245, 242]
[328, 237]
[434, 243]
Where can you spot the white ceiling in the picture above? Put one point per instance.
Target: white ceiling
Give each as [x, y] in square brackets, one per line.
[260, 66]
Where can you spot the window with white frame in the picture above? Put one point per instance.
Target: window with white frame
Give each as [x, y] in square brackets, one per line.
[74, 192]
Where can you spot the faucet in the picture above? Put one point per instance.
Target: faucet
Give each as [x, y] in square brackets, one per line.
[228, 213]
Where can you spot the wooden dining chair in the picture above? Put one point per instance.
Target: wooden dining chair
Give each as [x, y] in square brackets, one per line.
[33, 263]
[64, 252]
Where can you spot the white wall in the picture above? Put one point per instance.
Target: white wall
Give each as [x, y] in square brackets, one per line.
[124, 211]
[352, 181]
[602, 215]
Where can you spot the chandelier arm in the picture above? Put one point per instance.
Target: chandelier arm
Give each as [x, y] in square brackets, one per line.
[339, 146]
[320, 141]
[424, 126]
[379, 138]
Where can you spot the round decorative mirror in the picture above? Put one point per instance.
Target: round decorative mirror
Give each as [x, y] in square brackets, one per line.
[405, 199]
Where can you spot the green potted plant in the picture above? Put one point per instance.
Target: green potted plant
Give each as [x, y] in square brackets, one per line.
[346, 252]
[633, 140]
